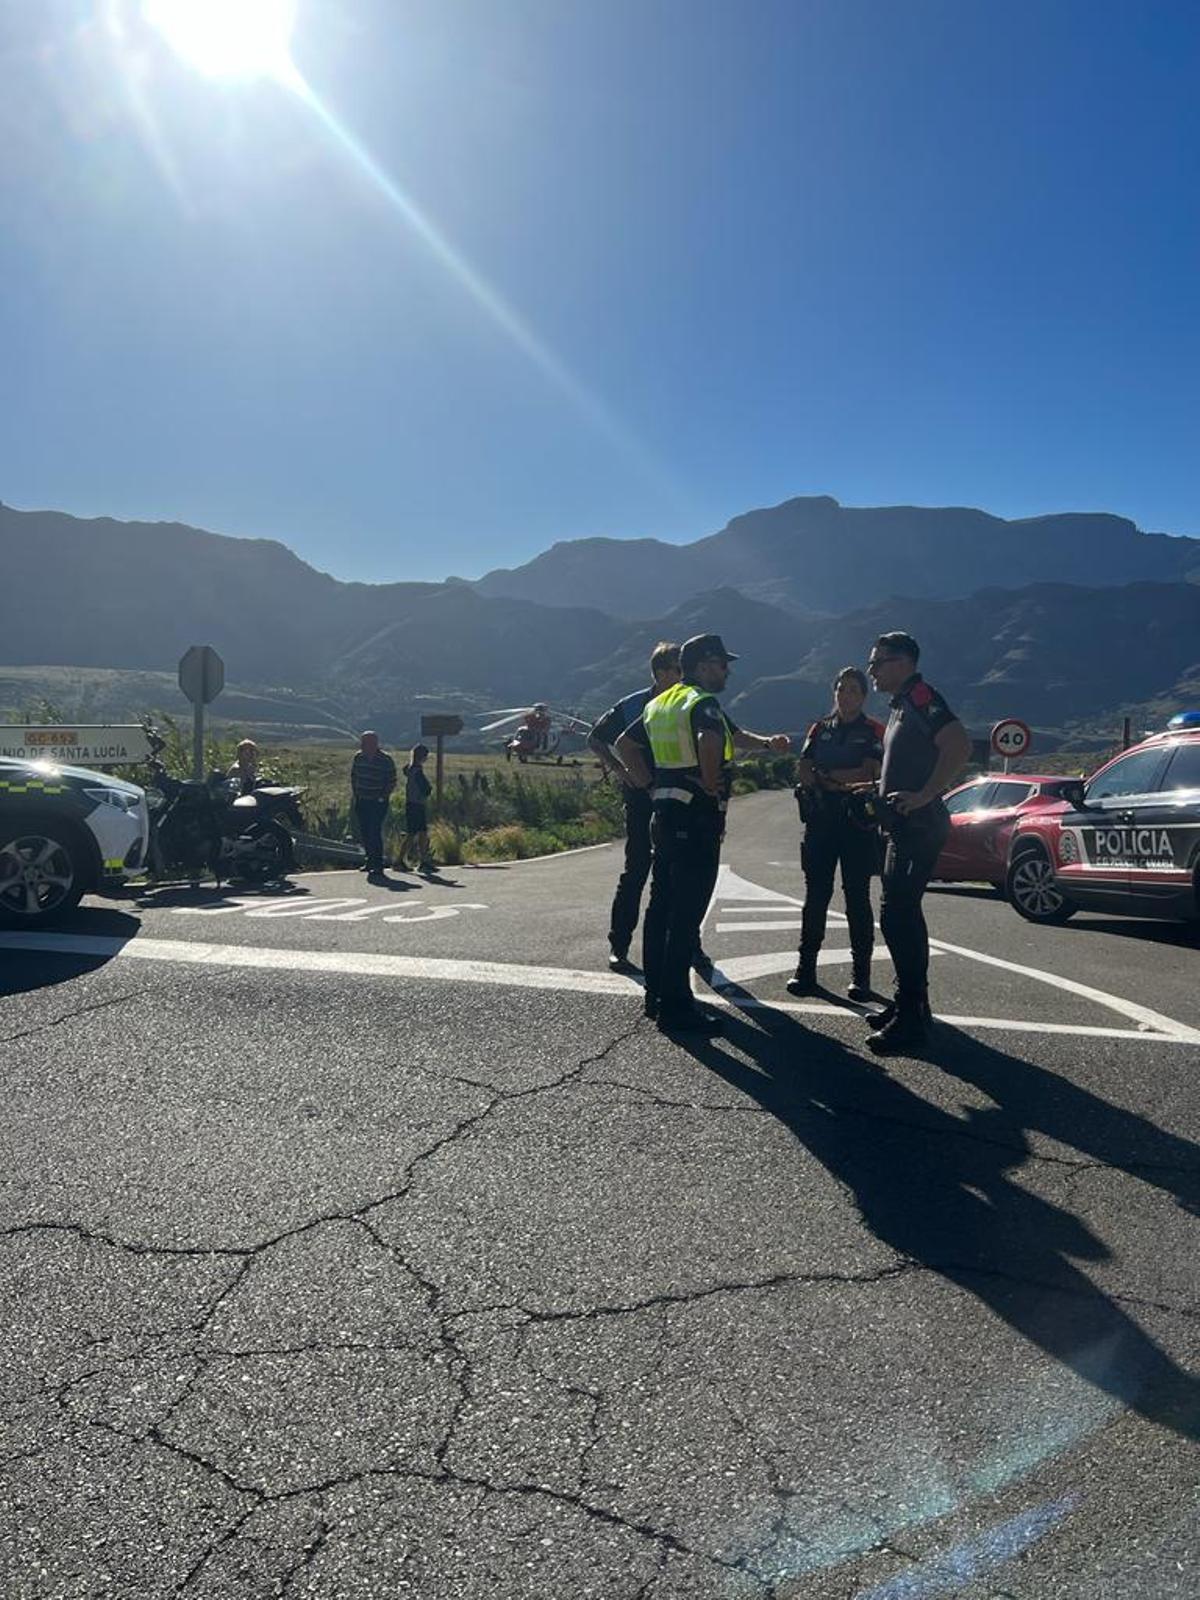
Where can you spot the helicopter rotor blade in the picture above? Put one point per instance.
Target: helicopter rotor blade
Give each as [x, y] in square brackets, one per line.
[504, 722]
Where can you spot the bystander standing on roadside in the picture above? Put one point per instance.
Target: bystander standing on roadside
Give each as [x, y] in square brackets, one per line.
[372, 779]
[417, 789]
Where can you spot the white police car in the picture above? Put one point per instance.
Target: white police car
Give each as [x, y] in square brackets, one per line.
[63, 832]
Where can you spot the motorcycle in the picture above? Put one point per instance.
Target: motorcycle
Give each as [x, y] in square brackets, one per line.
[199, 825]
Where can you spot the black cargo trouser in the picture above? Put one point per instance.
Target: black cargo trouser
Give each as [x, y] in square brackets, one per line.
[829, 842]
[687, 854]
[369, 815]
[912, 854]
[628, 897]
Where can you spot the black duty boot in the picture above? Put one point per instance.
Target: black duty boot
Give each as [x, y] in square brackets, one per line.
[702, 963]
[880, 1019]
[859, 987]
[805, 981]
[688, 1019]
[618, 960]
[905, 1030]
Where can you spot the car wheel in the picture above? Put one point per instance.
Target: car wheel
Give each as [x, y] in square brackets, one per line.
[1033, 892]
[42, 876]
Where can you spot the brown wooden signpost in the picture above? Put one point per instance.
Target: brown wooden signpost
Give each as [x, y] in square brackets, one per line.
[438, 725]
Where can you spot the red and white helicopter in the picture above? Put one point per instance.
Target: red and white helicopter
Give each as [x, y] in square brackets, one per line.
[535, 733]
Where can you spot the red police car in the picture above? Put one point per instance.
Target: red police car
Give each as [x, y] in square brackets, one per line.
[983, 814]
[1127, 841]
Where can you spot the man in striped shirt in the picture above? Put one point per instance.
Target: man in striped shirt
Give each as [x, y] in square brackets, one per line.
[372, 779]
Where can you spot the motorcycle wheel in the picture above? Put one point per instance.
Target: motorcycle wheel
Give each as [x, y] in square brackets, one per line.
[275, 857]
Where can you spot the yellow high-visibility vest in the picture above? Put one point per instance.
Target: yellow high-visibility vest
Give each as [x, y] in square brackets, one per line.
[668, 723]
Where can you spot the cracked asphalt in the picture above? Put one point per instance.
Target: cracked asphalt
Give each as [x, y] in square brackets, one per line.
[346, 1285]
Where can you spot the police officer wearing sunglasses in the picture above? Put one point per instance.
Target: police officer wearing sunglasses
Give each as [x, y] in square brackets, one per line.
[692, 742]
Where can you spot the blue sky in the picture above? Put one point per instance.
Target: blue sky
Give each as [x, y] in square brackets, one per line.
[921, 251]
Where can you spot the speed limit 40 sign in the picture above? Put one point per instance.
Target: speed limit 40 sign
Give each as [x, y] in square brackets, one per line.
[1011, 738]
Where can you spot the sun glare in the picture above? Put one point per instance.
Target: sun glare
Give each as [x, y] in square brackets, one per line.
[228, 38]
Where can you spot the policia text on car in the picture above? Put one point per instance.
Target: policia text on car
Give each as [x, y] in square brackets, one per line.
[691, 742]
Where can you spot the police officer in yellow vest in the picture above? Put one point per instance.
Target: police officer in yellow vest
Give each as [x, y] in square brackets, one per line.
[692, 743]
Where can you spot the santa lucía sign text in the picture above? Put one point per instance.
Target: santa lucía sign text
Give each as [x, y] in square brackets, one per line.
[76, 744]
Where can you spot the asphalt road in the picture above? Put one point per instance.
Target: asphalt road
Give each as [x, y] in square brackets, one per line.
[368, 1242]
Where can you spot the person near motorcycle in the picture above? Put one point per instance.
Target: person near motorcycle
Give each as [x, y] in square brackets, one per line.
[244, 771]
[372, 780]
[417, 789]
[841, 753]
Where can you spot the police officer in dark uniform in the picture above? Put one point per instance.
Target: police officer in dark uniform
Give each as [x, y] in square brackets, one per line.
[841, 754]
[925, 748]
[691, 742]
[664, 671]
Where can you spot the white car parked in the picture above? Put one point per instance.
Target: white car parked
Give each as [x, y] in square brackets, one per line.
[64, 831]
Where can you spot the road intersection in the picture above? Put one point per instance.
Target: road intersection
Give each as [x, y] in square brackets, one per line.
[365, 1241]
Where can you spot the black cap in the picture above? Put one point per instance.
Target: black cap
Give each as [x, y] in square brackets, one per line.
[700, 648]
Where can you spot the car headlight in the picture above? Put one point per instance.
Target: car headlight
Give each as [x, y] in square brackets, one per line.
[114, 797]
[1068, 850]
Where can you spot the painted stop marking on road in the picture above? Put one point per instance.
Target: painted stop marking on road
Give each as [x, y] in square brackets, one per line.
[1011, 738]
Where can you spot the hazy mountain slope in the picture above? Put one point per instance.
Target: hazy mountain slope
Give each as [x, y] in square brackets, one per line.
[812, 555]
[1051, 653]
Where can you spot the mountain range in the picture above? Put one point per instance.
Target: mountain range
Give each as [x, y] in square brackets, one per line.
[1059, 619]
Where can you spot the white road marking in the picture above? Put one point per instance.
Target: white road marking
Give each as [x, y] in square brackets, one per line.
[368, 964]
[787, 925]
[347, 908]
[744, 892]
[1128, 1008]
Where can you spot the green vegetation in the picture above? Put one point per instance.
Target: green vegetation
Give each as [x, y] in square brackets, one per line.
[489, 810]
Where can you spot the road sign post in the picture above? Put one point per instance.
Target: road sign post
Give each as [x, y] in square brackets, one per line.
[1010, 739]
[201, 677]
[437, 725]
[76, 744]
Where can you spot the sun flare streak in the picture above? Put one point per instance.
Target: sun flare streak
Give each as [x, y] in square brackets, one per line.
[476, 286]
[249, 40]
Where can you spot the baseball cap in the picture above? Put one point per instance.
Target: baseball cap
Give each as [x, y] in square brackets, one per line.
[700, 647]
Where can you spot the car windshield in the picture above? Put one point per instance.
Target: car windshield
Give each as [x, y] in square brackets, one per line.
[1136, 773]
[1184, 770]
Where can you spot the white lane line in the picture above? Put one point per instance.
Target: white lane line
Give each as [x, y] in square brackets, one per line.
[369, 964]
[787, 925]
[999, 1024]
[1128, 1008]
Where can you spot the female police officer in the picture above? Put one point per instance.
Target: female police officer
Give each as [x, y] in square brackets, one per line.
[840, 751]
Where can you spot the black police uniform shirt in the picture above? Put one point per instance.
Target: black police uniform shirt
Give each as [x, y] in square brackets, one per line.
[834, 746]
[910, 752]
[707, 717]
[620, 718]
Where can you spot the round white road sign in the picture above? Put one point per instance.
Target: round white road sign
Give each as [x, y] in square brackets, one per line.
[1011, 738]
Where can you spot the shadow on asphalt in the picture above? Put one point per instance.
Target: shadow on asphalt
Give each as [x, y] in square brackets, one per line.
[23, 971]
[938, 1189]
[1181, 935]
[149, 896]
[966, 891]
